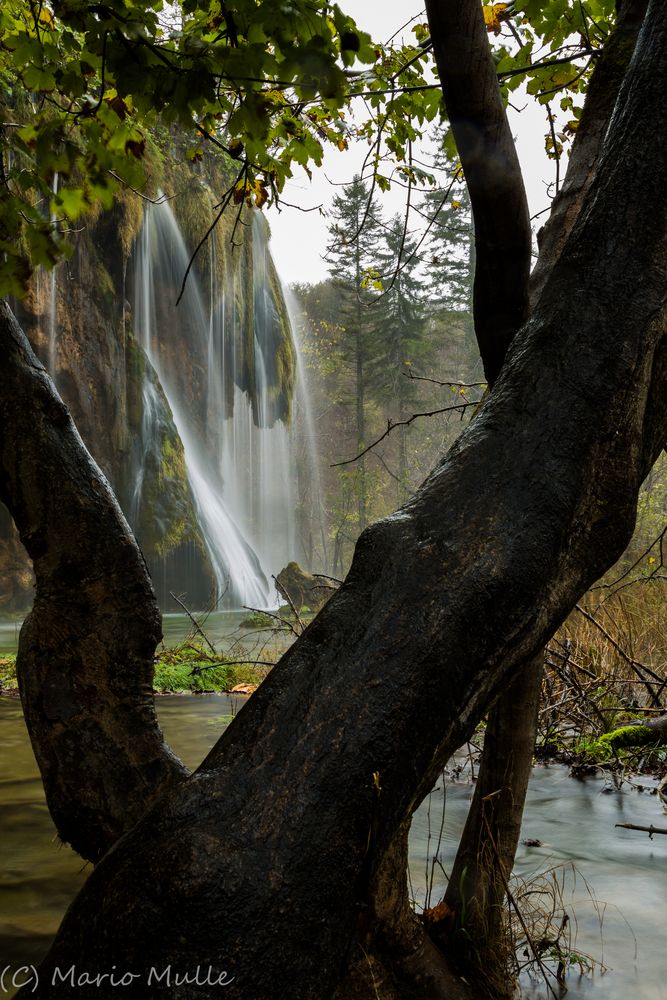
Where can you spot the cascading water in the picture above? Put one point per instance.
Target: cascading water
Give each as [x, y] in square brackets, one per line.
[226, 402]
[310, 488]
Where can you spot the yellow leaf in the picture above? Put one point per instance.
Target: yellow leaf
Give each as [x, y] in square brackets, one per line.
[342, 145]
[562, 77]
[46, 18]
[456, 204]
[240, 192]
[260, 192]
[493, 15]
[437, 914]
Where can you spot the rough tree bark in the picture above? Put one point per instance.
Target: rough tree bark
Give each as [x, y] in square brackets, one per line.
[85, 663]
[483, 865]
[274, 860]
[268, 862]
[485, 857]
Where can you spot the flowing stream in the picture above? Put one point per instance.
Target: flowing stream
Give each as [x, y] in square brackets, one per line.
[615, 900]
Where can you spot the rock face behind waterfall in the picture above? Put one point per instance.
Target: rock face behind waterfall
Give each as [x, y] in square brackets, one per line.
[82, 321]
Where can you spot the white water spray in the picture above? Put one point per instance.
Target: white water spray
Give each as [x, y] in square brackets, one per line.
[241, 460]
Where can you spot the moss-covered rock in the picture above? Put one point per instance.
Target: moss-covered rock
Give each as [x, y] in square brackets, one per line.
[101, 371]
[303, 589]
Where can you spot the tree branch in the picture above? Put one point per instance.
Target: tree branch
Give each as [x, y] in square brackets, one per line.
[461, 407]
[85, 659]
[491, 167]
[600, 100]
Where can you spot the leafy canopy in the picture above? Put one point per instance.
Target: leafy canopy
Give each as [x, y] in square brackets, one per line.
[82, 86]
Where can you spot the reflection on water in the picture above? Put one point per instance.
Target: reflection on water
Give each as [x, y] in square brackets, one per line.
[9, 635]
[574, 820]
[223, 629]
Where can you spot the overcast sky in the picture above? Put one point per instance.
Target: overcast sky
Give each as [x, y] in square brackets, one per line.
[299, 238]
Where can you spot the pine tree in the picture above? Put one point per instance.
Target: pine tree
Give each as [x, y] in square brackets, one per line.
[399, 340]
[355, 232]
[450, 261]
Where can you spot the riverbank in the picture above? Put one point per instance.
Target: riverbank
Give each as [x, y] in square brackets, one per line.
[186, 669]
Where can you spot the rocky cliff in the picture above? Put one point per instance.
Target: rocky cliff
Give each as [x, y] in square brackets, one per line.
[81, 321]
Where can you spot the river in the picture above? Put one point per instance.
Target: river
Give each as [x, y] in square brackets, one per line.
[615, 900]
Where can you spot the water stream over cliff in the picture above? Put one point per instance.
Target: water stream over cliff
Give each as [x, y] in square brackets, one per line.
[218, 358]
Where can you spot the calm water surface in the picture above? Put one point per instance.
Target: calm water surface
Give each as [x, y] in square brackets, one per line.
[574, 820]
[223, 629]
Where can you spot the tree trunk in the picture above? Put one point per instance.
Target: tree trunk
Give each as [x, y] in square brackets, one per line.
[478, 882]
[85, 660]
[467, 71]
[477, 888]
[266, 862]
[274, 861]
[582, 164]
[360, 396]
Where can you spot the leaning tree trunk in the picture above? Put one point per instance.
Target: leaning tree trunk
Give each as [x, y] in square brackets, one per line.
[85, 662]
[267, 863]
[477, 888]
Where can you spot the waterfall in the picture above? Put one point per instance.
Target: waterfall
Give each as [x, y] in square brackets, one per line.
[309, 484]
[225, 398]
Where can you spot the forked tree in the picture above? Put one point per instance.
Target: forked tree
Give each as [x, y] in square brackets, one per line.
[282, 859]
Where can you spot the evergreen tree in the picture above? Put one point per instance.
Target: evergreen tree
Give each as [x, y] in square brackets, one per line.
[355, 233]
[399, 339]
[450, 261]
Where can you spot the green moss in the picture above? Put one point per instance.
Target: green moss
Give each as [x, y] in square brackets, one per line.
[8, 673]
[609, 745]
[186, 668]
[167, 516]
[258, 620]
[129, 209]
[105, 284]
[190, 668]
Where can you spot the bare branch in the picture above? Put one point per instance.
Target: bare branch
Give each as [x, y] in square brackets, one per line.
[225, 202]
[195, 623]
[285, 593]
[283, 621]
[454, 385]
[644, 829]
[460, 407]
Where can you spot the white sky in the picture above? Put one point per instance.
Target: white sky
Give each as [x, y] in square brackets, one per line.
[299, 238]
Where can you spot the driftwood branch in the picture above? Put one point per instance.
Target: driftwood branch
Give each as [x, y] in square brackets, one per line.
[644, 829]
